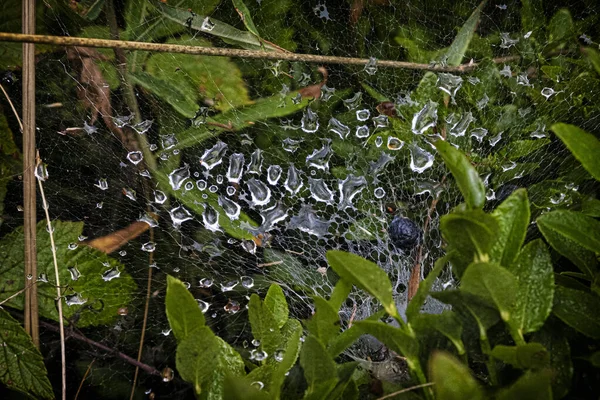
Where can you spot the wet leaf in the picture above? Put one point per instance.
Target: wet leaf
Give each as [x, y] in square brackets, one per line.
[292, 332]
[465, 175]
[365, 275]
[446, 323]
[551, 337]
[584, 146]
[513, 219]
[183, 312]
[325, 322]
[319, 368]
[485, 316]
[532, 385]
[275, 302]
[453, 380]
[21, 364]
[493, 284]
[578, 309]
[526, 356]
[265, 328]
[460, 44]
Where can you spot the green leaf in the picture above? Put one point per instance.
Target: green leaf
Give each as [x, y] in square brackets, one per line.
[532, 385]
[325, 322]
[513, 219]
[219, 29]
[183, 312]
[241, 389]
[350, 335]
[275, 302]
[593, 56]
[341, 290]
[204, 359]
[91, 264]
[460, 44]
[184, 103]
[584, 146]
[484, 315]
[264, 326]
[365, 275]
[551, 337]
[395, 338]
[578, 309]
[446, 323]
[560, 27]
[526, 356]
[453, 380]
[532, 15]
[21, 364]
[292, 332]
[414, 307]
[470, 236]
[465, 175]
[535, 276]
[573, 235]
[244, 13]
[493, 284]
[319, 368]
[591, 206]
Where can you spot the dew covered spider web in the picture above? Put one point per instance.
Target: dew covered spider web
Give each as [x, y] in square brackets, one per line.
[248, 171]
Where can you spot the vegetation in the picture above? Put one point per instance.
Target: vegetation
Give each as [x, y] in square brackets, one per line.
[492, 148]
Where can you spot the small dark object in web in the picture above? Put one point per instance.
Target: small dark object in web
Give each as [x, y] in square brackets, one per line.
[404, 233]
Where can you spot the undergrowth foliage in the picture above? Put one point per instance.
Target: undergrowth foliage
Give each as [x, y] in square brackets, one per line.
[298, 231]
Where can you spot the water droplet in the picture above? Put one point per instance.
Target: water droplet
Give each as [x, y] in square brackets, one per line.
[232, 307]
[483, 102]
[167, 374]
[362, 131]
[153, 147]
[460, 127]
[231, 208]
[308, 221]
[490, 194]
[293, 183]
[75, 274]
[479, 134]
[179, 215]
[130, 194]
[319, 158]
[249, 246]
[213, 156]
[297, 99]
[420, 160]
[203, 305]
[494, 141]
[188, 186]
[74, 300]
[379, 193]
[100, 204]
[557, 199]
[319, 190]
[371, 66]
[122, 253]
[210, 219]
[278, 355]
[378, 141]
[102, 184]
[506, 41]
[41, 172]
[547, 92]
[168, 141]
[425, 118]
[353, 102]
[272, 216]
[258, 384]
[258, 355]
[326, 93]
[72, 246]
[310, 121]
[349, 188]
[247, 282]
[149, 247]
[255, 164]
[207, 25]
[375, 167]
[111, 274]
[166, 332]
[509, 166]
[539, 133]
[261, 194]
[290, 145]
[230, 190]
[320, 11]
[159, 197]
[273, 174]
[229, 286]
[135, 157]
[506, 71]
[393, 143]
[381, 121]
[213, 188]
[449, 83]
[523, 79]
[178, 176]
[363, 115]
[337, 127]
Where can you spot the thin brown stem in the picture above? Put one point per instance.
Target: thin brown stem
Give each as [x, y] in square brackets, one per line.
[224, 52]
[12, 106]
[17, 293]
[87, 372]
[63, 358]
[387, 396]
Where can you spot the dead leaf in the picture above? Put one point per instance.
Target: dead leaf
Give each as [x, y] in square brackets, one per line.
[115, 240]
[314, 91]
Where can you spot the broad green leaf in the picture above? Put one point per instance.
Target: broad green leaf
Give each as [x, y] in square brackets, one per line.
[344, 372]
[453, 380]
[365, 275]
[459, 46]
[103, 296]
[446, 323]
[395, 338]
[535, 276]
[319, 368]
[21, 364]
[591, 206]
[465, 175]
[485, 316]
[203, 359]
[573, 235]
[325, 322]
[551, 337]
[532, 385]
[513, 219]
[414, 307]
[470, 236]
[526, 356]
[211, 26]
[584, 146]
[493, 284]
[350, 335]
[292, 331]
[244, 14]
[184, 103]
[183, 312]
[236, 388]
[560, 27]
[275, 302]
[341, 290]
[578, 309]
[265, 327]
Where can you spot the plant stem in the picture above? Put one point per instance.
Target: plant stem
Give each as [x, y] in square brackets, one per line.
[486, 350]
[248, 54]
[58, 294]
[387, 396]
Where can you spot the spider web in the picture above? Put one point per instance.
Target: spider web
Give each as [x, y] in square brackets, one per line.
[330, 175]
